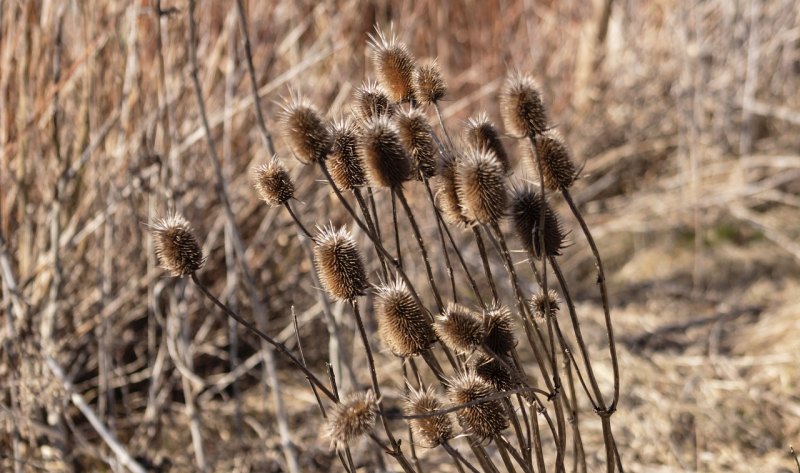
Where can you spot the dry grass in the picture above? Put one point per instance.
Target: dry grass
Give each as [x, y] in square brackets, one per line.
[687, 119]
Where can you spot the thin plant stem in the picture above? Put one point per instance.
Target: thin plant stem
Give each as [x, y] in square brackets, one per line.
[514, 454]
[459, 458]
[396, 229]
[373, 227]
[487, 269]
[299, 223]
[501, 447]
[439, 224]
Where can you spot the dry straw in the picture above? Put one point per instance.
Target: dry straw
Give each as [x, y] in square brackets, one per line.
[485, 419]
[526, 207]
[430, 431]
[305, 130]
[344, 162]
[521, 105]
[352, 418]
[481, 187]
[339, 264]
[417, 137]
[394, 65]
[176, 247]
[272, 183]
[402, 325]
[481, 133]
[459, 328]
[384, 156]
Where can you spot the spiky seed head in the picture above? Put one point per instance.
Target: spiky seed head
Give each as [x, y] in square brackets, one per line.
[481, 186]
[177, 249]
[459, 328]
[339, 264]
[353, 417]
[417, 137]
[447, 194]
[430, 431]
[482, 134]
[484, 419]
[401, 324]
[493, 371]
[394, 66]
[522, 107]
[539, 305]
[428, 83]
[372, 100]
[558, 170]
[344, 162]
[272, 182]
[385, 159]
[499, 329]
[305, 130]
[526, 207]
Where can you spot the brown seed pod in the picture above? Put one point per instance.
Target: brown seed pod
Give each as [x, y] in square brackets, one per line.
[481, 187]
[522, 108]
[558, 170]
[484, 419]
[430, 431]
[446, 192]
[177, 249]
[526, 213]
[459, 328]
[499, 329]
[394, 66]
[353, 417]
[339, 264]
[417, 137]
[305, 130]
[344, 162]
[493, 371]
[539, 308]
[272, 182]
[428, 83]
[385, 159]
[481, 133]
[371, 100]
[401, 324]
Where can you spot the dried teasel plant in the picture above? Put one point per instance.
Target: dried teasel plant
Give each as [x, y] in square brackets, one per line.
[484, 419]
[305, 130]
[394, 65]
[176, 247]
[339, 264]
[525, 210]
[272, 182]
[459, 328]
[344, 162]
[385, 159]
[433, 430]
[402, 325]
[558, 170]
[352, 418]
[481, 133]
[540, 305]
[481, 186]
[427, 82]
[417, 137]
[371, 100]
[522, 107]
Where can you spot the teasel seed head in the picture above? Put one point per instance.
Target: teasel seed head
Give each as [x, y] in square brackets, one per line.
[385, 159]
[493, 371]
[430, 431]
[484, 419]
[522, 107]
[539, 308]
[447, 194]
[394, 66]
[371, 100]
[402, 325]
[428, 83]
[459, 328]
[499, 329]
[481, 186]
[353, 417]
[526, 211]
[339, 264]
[272, 182]
[344, 162]
[305, 130]
[482, 134]
[417, 137]
[177, 249]
[558, 170]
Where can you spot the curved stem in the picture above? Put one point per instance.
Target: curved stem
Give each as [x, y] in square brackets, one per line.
[487, 269]
[298, 222]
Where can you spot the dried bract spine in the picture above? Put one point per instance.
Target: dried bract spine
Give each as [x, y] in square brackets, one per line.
[481, 187]
[402, 325]
[394, 66]
[371, 100]
[339, 264]
[176, 247]
[522, 107]
[430, 431]
[417, 137]
[272, 183]
[482, 134]
[459, 328]
[385, 159]
[484, 419]
[499, 329]
[540, 305]
[526, 214]
[344, 162]
[305, 131]
[558, 170]
[353, 417]
[428, 83]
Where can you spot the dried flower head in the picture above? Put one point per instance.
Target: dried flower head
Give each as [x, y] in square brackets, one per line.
[353, 417]
[540, 304]
[447, 194]
[482, 134]
[481, 187]
[305, 131]
[417, 137]
[385, 159]
[522, 108]
[371, 100]
[526, 213]
[459, 328]
[428, 83]
[177, 249]
[339, 264]
[558, 170]
[499, 329]
[495, 372]
[430, 431]
[344, 162]
[485, 419]
[402, 325]
[272, 182]
[394, 66]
